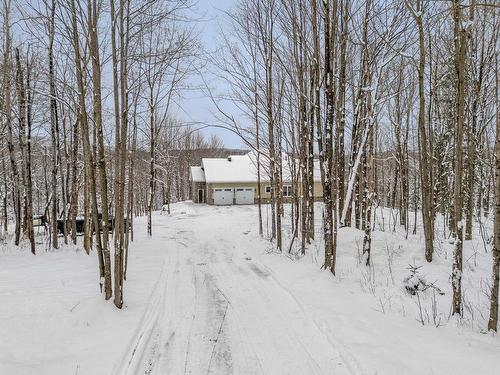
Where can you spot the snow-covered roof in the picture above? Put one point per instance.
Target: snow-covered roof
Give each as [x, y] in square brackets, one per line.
[234, 168]
[241, 168]
[197, 174]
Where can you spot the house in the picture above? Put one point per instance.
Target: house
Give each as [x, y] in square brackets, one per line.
[233, 180]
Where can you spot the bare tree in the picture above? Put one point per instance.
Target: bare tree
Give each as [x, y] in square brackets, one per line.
[493, 318]
[7, 102]
[424, 151]
[460, 34]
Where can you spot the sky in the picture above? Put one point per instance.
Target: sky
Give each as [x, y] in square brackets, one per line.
[195, 105]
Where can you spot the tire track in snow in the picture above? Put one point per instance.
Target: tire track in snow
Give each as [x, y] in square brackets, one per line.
[253, 287]
[192, 324]
[133, 357]
[272, 326]
[260, 318]
[292, 329]
[352, 363]
[197, 312]
[282, 313]
[238, 330]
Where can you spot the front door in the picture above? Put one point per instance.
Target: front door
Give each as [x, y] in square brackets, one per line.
[200, 196]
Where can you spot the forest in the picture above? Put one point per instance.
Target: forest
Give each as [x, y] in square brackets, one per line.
[397, 100]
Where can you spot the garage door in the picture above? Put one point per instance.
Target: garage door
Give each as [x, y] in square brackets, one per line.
[223, 196]
[245, 195]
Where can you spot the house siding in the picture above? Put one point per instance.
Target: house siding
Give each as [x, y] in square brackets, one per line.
[194, 191]
[265, 197]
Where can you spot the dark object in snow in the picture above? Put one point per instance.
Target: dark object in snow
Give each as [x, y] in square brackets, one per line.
[39, 221]
[415, 282]
[80, 225]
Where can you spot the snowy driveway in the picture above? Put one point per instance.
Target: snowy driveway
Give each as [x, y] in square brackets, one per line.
[204, 296]
[215, 310]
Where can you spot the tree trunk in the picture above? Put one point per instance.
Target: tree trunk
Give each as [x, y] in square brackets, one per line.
[424, 152]
[93, 22]
[326, 146]
[339, 144]
[121, 153]
[54, 126]
[7, 103]
[460, 59]
[25, 123]
[87, 152]
[493, 319]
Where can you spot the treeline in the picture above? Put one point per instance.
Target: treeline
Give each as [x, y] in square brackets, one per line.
[87, 136]
[398, 99]
[174, 157]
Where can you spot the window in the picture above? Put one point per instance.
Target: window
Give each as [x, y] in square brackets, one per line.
[287, 191]
[268, 189]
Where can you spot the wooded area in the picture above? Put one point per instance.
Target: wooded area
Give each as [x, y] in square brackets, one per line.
[397, 99]
[69, 153]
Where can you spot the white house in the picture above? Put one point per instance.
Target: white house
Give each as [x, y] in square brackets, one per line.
[233, 180]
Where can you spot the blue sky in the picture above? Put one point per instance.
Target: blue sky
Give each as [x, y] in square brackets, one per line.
[195, 105]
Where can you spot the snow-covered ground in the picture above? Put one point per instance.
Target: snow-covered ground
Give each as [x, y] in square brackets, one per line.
[207, 295]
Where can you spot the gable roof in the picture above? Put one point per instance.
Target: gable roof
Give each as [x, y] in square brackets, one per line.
[239, 168]
[234, 168]
[197, 174]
